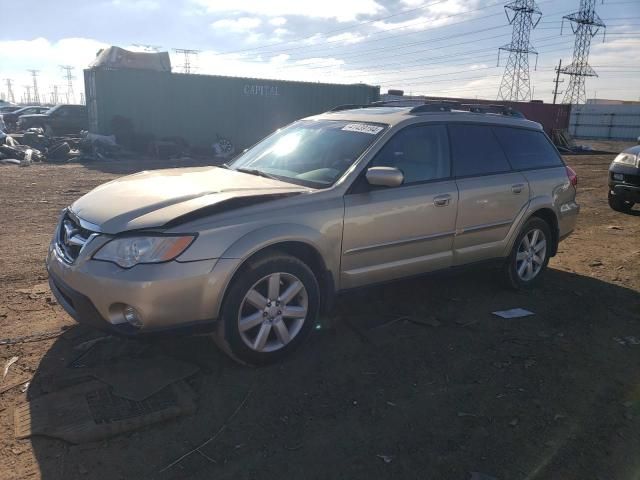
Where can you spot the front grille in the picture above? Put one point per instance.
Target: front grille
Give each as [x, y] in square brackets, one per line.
[72, 237]
[632, 180]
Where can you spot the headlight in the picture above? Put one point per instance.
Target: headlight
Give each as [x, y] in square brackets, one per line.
[630, 159]
[130, 251]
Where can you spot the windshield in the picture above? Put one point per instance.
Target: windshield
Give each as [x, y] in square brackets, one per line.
[309, 152]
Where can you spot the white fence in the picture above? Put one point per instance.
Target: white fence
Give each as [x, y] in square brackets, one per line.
[615, 122]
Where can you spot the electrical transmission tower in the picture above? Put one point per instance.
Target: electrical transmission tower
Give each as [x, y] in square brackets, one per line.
[68, 76]
[36, 95]
[186, 66]
[524, 15]
[26, 96]
[10, 96]
[585, 24]
[54, 95]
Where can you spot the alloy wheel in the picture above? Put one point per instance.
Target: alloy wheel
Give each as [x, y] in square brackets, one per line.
[273, 312]
[531, 255]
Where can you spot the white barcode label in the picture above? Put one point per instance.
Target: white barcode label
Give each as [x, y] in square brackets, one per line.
[362, 128]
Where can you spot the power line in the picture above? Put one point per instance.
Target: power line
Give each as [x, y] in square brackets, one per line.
[516, 82]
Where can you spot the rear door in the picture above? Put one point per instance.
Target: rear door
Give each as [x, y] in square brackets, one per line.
[406, 230]
[491, 193]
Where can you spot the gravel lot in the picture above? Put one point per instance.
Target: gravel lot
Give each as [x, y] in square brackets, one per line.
[551, 396]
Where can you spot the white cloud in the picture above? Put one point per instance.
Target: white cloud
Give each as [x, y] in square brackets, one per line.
[347, 38]
[435, 15]
[279, 32]
[278, 21]
[19, 55]
[239, 25]
[339, 9]
[136, 4]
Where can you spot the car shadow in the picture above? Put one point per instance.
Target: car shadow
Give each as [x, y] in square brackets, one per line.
[415, 379]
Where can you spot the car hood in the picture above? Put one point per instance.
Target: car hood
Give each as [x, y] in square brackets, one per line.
[156, 198]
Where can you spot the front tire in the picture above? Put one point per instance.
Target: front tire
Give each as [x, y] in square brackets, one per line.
[530, 254]
[618, 204]
[270, 308]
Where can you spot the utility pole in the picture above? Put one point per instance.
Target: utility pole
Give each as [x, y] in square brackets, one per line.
[10, 96]
[524, 15]
[186, 66]
[585, 24]
[36, 95]
[557, 81]
[68, 76]
[82, 98]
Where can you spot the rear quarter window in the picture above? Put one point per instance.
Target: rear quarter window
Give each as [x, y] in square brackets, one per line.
[527, 149]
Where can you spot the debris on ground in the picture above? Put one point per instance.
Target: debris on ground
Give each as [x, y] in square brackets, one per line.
[91, 411]
[15, 384]
[513, 313]
[628, 340]
[385, 458]
[7, 366]
[36, 337]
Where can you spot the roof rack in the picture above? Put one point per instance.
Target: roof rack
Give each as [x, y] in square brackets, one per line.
[435, 106]
[485, 108]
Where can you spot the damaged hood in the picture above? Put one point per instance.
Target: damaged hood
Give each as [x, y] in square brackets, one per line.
[154, 198]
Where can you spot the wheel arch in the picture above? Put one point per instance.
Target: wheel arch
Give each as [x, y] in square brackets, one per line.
[303, 251]
[550, 217]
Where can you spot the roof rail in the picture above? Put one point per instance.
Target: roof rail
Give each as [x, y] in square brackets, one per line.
[346, 106]
[486, 108]
[435, 106]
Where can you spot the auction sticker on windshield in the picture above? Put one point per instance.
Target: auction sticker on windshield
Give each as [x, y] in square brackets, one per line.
[362, 128]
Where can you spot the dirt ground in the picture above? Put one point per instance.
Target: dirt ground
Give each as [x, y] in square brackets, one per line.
[550, 396]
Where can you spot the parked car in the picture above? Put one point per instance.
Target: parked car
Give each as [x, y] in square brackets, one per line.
[58, 120]
[9, 108]
[254, 250]
[624, 180]
[11, 118]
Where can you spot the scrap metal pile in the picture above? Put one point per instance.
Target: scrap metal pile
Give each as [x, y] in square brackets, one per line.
[34, 145]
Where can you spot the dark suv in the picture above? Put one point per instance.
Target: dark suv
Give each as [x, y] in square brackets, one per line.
[624, 180]
[58, 120]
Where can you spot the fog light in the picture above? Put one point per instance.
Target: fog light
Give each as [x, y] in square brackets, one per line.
[132, 317]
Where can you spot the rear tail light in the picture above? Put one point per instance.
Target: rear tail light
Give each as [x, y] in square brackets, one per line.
[573, 177]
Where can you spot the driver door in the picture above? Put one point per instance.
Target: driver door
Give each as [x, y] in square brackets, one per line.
[394, 232]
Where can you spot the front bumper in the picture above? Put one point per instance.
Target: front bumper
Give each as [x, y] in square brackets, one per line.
[628, 187]
[168, 297]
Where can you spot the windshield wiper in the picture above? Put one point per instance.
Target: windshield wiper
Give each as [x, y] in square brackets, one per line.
[255, 171]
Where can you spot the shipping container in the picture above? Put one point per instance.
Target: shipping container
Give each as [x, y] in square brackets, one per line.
[201, 108]
[615, 122]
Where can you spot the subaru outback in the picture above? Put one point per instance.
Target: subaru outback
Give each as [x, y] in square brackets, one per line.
[252, 252]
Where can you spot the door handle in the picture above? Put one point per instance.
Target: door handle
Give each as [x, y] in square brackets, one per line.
[517, 188]
[441, 200]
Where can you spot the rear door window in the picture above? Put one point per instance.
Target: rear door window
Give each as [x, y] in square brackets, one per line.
[476, 151]
[527, 149]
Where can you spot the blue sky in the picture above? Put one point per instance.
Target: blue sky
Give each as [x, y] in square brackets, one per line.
[445, 47]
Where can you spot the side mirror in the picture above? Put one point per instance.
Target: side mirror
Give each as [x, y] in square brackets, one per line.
[384, 176]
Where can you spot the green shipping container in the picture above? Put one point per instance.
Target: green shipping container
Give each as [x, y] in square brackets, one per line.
[201, 107]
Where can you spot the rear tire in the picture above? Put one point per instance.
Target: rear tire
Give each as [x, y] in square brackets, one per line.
[529, 256]
[270, 308]
[618, 204]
